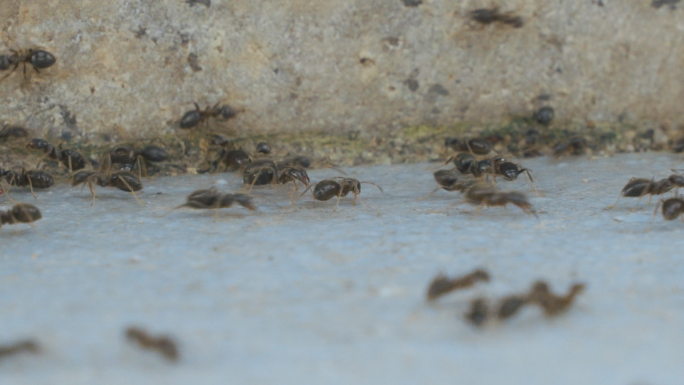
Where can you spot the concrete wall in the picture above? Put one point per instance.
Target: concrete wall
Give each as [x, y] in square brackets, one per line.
[128, 66]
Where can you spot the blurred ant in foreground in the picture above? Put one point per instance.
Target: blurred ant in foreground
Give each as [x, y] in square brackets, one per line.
[485, 195]
[328, 189]
[162, 344]
[25, 346]
[20, 213]
[442, 284]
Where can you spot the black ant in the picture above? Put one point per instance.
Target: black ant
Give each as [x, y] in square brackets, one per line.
[448, 180]
[123, 180]
[128, 157]
[574, 146]
[69, 158]
[233, 159]
[203, 2]
[492, 15]
[673, 208]
[163, 344]
[25, 346]
[33, 179]
[8, 132]
[38, 58]
[328, 189]
[544, 115]
[479, 312]
[211, 198]
[639, 187]
[194, 117]
[20, 213]
[496, 167]
[269, 172]
[476, 146]
[485, 195]
[442, 284]
[263, 148]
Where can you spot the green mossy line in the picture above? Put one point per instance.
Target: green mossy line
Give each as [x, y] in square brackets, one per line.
[381, 145]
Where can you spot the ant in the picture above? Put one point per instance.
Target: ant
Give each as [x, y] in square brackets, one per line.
[38, 58]
[552, 304]
[33, 179]
[498, 166]
[8, 132]
[485, 195]
[327, 189]
[20, 213]
[492, 15]
[233, 159]
[69, 158]
[575, 146]
[163, 344]
[128, 157]
[263, 148]
[639, 187]
[442, 284]
[123, 180]
[194, 117]
[203, 2]
[25, 346]
[449, 181]
[269, 172]
[476, 146]
[479, 312]
[673, 208]
[544, 115]
[213, 199]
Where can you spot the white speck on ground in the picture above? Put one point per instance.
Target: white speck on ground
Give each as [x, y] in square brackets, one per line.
[302, 294]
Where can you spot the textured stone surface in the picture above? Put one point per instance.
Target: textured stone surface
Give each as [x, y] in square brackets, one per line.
[131, 68]
[303, 295]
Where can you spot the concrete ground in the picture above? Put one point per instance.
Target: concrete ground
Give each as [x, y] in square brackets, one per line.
[302, 294]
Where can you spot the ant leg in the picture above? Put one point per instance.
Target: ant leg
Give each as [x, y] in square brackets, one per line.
[338, 203]
[477, 212]
[614, 204]
[654, 215]
[649, 199]
[294, 189]
[31, 186]
[92, 192]
[425, 196]
[529, 175]
[132, 192]
[71, 169]
[11, 72]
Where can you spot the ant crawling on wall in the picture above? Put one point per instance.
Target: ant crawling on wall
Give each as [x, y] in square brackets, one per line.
[37, 58]
[33, 179]
[640, 187]
[104, 177]
[442, 284]
[194, 117]
[341, 187]
[162, 344]
[69, 158]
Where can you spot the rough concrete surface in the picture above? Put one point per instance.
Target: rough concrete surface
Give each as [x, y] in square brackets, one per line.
[132, 68]
[302, 294]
